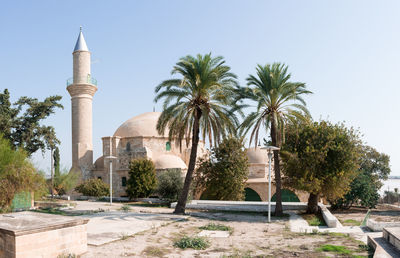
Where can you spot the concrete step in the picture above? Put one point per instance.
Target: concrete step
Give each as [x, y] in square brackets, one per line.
[382, 247]
[392, 235]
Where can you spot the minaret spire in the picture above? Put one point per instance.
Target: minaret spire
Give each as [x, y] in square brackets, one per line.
[81, 43]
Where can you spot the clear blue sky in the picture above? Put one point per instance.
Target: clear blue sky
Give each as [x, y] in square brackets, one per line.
[347, 52]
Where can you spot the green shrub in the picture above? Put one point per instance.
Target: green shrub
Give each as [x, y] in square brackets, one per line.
[170, 184]
[93, 187]
[223, 176]
[198, 243]
[219, 227]
[17, 174]
[142, 178]
[65, 181]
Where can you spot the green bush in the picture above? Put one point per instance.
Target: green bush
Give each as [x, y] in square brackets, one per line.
[65, 181]
[217, 227]
[198, 243]
[170, 184]
[223, 176]
[142, 178]
[17, 174]
[93, 187]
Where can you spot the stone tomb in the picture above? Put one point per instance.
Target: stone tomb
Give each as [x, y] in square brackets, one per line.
[33, 234]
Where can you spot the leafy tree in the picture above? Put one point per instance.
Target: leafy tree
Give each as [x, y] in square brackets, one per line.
[66, 181]
[93, 187]
[170, 184]
[364, 189]
[320, 158]
[224, 174]
[142, 178]
[277, 100]
[20, 122]
[197, 104]
[17, 174]
[56, 158]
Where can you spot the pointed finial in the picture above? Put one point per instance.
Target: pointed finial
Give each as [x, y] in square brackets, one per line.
[154, 109]
[80, 28]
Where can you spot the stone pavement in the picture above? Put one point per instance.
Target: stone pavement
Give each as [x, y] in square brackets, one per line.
[105, 227]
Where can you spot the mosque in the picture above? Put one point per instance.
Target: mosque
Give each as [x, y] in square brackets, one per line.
[138, 138]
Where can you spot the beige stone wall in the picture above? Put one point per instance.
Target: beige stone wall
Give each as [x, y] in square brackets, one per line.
[70, 240]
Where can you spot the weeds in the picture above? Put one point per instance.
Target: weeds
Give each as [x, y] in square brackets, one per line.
[218, 227]
[198, 243]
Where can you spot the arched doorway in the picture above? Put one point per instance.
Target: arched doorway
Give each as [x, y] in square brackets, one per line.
[251, 195]
[287, 196]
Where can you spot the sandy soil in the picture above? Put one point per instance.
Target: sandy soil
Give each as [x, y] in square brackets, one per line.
[251, 236]
[381, 213]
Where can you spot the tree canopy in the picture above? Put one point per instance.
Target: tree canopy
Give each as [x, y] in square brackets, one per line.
[277, 101]
[364, 189]
[223, 175]
[320, 158]
[20, 122]
[197, 104]
[142, 178]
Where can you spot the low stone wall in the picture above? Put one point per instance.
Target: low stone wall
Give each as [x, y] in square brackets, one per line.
[378, 226]
[30, 234]
[240, 205]
[330, 220]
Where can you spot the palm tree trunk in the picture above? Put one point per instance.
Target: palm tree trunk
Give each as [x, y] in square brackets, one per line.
[278, 183]
[312, 205]
[181, 205]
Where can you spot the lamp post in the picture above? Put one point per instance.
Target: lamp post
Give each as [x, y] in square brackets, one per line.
[111, 159]
[270, 150]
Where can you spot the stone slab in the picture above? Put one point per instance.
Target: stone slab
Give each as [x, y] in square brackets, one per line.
[105, 227]
[214, 233]
[22, 223]
[33, 234]
[378, 226]
[392, 235]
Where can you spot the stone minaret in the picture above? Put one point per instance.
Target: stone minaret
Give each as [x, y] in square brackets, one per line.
[82, 89]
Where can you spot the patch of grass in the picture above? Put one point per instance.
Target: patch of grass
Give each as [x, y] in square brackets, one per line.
[197, 243]
[351, 222]
[218, 227]
[334, 249]
[125, 208]
[314, 220]
[154, 251]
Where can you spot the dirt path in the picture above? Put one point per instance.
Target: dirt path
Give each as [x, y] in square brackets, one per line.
[251, 236]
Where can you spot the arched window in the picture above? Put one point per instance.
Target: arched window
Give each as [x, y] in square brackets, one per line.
[168, 146]
[128, 146]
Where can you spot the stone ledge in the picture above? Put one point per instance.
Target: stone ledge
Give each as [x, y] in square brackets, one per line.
[23, 223]
[377, 226]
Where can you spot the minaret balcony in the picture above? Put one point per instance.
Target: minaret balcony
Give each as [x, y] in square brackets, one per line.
[90, 80]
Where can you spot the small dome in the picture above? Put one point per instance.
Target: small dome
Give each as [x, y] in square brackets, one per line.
[169, 161]
[141, 125]
[257, 155]
[99, 163]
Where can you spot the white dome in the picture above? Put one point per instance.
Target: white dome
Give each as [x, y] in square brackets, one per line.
[257, 155]
[141, 125]
[167, 161]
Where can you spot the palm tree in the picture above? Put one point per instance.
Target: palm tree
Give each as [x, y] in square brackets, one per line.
[277, 101]
[198, 103]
